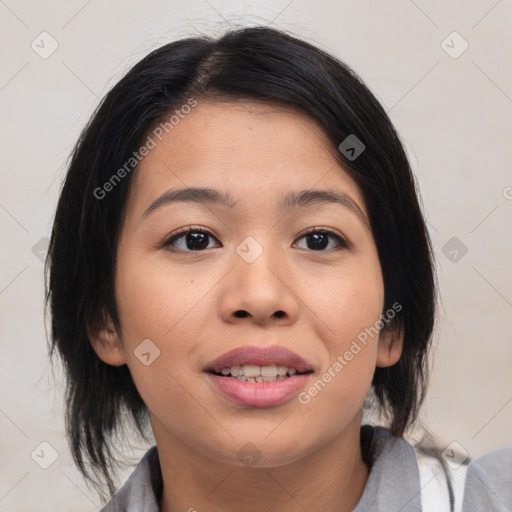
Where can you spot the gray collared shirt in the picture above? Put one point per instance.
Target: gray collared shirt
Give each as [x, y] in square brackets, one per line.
[392, 486]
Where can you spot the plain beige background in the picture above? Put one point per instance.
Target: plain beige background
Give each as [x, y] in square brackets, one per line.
[452, 108]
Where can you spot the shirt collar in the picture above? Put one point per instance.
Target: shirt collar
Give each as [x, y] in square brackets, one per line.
[143, 489]
[393, 482]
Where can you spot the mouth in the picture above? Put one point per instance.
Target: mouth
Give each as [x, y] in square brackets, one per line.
[253, 362]
[259, 377]
[255, 373]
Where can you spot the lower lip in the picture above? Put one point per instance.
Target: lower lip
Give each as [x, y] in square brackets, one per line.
[258, 394]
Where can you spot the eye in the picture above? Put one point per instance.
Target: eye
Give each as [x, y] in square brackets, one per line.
[192, 239]
[318, 239]
[197, 239]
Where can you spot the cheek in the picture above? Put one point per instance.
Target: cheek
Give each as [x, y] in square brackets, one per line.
[170, 306]
[350, 312]
[166, 309]
[349, 301]
[349, 305]
[154, 298]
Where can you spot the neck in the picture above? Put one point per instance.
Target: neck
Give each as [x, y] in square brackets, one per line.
[331, 479]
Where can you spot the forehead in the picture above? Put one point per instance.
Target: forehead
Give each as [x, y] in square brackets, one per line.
[255, 151]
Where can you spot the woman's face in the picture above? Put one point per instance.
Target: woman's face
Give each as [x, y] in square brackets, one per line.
[248, 275]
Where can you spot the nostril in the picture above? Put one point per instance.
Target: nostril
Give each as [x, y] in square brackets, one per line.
[242, 314]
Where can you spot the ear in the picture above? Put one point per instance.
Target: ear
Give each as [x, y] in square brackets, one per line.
[390, 347]
[105, 341]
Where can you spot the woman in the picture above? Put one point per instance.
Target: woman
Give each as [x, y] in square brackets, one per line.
[239, 257]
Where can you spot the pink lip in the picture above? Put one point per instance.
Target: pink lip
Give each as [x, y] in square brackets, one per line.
[259, 394]
[261, 356]
[255, 394]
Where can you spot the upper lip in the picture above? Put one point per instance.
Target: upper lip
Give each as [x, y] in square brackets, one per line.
[261, 356]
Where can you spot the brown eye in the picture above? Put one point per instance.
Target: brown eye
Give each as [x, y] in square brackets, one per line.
[319, 239]
[189, 239]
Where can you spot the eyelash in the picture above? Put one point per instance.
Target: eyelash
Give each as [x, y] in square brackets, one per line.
[196, 229]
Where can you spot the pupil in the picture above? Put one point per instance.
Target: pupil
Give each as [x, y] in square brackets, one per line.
[197, 241]
[318, 243]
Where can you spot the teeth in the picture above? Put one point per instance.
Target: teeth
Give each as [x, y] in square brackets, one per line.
[282, 370]
[251, 370]
[236, 371]
[255, 373]
[269, 371]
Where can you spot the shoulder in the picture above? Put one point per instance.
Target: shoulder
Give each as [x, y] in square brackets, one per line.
[407, 478]
[489, 482]
[494, 464]
[393, 482]
[142, 491]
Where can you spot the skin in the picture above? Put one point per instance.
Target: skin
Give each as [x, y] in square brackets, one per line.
[186, 302]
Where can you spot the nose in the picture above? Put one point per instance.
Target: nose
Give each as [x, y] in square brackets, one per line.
[260, 292]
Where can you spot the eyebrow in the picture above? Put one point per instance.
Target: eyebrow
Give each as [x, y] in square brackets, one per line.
[294, 199]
